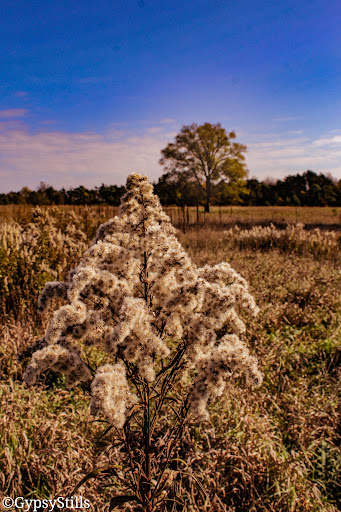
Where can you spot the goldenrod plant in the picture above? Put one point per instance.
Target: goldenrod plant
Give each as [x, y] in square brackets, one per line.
[41, 249]
[171, 335]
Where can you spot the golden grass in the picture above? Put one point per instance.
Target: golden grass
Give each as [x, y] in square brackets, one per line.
[220, 215]
[46, 434]
[250, 215]
[276, 449]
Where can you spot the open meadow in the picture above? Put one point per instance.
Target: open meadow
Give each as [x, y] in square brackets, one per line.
[219, 215]
[276, 448]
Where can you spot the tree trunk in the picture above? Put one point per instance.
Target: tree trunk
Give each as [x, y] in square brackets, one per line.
[208, 194]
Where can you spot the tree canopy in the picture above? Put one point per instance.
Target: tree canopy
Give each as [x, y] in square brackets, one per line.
[208, 155]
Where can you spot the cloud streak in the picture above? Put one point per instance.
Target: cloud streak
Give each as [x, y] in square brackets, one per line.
[70, 159]
[11, 113]
[67, 160]
[279, 156]
[286, 119]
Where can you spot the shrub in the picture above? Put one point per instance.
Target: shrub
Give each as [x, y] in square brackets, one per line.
[171, 333]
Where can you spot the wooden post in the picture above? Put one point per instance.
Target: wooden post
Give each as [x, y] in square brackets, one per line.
[183, 219]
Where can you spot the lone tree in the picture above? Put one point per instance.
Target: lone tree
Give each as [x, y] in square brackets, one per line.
[207, 154]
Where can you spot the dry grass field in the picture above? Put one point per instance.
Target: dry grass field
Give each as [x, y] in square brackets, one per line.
[219, 215]
[274, 449]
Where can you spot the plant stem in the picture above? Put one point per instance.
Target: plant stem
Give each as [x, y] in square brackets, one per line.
[146, 491]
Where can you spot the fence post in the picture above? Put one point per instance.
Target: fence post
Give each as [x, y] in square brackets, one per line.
[183, 218]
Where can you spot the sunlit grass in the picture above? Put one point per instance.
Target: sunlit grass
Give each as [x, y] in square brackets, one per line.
[277, 449]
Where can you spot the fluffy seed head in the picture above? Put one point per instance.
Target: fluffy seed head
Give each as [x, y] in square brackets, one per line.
[137, 295]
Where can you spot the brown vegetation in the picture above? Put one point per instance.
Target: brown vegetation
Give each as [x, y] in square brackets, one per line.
[277, 449]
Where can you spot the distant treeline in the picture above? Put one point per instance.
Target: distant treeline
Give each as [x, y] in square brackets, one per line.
[307, 189]
[47, 195]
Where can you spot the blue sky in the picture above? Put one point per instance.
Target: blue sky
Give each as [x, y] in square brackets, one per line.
[90, 91]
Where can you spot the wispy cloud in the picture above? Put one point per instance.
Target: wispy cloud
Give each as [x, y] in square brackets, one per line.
[47, 122]
[278, 156]
[326, 141]
[21, 94]
[11, 113]
[71, 159]
[167, 120]
[285, 119]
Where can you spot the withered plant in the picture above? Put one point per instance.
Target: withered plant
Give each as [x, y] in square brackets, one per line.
[170, 332]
